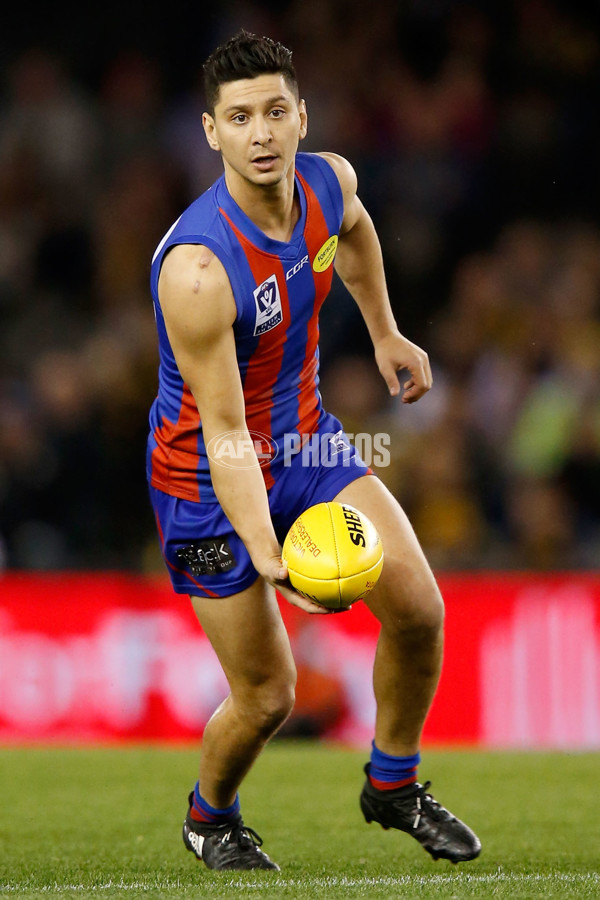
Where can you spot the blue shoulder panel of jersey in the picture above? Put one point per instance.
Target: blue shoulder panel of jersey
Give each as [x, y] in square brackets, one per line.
[315, 168]
[200, 223]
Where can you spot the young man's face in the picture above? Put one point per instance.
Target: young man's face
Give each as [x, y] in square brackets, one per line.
[257, 125]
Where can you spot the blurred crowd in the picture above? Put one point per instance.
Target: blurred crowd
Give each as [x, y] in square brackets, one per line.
[474, 131]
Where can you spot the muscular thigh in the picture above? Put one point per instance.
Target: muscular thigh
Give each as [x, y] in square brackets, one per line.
[248, 635]
[407, 587]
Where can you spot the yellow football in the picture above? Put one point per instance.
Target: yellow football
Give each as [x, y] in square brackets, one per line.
[333, 554]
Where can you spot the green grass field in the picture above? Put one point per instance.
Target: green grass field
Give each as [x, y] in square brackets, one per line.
[106, 823]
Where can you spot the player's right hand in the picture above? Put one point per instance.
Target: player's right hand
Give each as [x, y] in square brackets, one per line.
[275, 573]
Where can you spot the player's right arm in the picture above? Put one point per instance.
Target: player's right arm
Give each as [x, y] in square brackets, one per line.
[199, 311]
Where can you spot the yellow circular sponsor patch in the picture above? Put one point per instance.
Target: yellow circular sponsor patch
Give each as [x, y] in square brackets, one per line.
[325, 255]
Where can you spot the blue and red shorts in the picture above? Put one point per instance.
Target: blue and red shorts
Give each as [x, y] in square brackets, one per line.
[204, 555]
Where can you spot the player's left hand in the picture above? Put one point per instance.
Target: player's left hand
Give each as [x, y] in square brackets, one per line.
[394, 352]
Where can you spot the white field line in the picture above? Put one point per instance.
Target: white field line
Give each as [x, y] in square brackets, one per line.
[497, 878]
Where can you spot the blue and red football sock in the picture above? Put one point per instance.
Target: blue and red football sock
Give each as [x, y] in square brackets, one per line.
[388, 773]
[201, 811]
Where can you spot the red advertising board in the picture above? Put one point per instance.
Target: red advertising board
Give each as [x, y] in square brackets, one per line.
[97, 657]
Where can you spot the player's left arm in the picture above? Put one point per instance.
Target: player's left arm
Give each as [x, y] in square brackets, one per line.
[359, 263]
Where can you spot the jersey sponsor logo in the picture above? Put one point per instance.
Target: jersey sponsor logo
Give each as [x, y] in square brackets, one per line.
[210, 557]
[326, 254]
[295, 269]
[268, 306]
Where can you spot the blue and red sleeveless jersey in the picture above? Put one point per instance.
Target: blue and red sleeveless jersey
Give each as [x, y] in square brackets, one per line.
[278, 289]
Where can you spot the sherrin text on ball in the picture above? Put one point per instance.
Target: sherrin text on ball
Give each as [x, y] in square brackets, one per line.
[333, 554]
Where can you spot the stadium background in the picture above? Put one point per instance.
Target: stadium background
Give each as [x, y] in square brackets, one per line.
[475, 134]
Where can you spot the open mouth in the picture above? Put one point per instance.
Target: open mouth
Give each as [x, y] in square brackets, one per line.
[264, 162]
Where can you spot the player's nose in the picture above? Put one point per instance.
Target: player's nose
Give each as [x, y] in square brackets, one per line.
[261, 131]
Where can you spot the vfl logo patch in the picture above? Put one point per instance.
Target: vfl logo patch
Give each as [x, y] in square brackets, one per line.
[268, 306]
[209, 557]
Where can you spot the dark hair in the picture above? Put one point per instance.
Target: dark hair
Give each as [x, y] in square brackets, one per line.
[246, 56]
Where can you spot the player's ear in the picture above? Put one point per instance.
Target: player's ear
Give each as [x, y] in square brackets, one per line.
[208, 124]
[303, 118]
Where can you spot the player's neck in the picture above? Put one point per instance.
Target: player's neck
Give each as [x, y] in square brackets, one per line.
[274, 208]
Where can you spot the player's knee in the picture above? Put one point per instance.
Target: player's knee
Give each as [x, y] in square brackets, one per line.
[411, 601]
[429, 612]
[272, 714]
[417, 630]
[273, 704]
